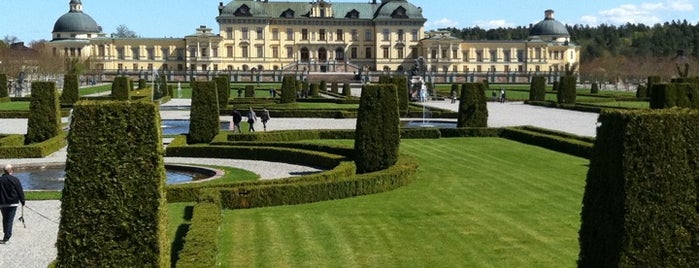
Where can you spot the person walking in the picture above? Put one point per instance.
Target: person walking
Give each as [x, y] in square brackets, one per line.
[252, 117]
[264, 117]
[237, 118]
[11, 196]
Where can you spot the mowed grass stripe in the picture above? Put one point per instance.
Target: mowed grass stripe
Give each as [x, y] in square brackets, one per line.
[463, 210]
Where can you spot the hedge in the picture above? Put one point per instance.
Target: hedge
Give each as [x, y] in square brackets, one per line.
[121, 88]
[401, 83]
[334, 87]
[642, 91]
[377, 135]
[567, 90]
[224, 92]
[685, 95]
[4, 91]
[323, 86]
[346, 89]
[395, 176]
[113, 206]
[12, 146]
[473, 110]
[44, 113]
[201, 242]
[549, 141]
[594, 88]
[640, 201]
[204, 117]
[651, 81]
[537, 89]
[249, 91]
[288, 89]
[315, 90]
[70, 89]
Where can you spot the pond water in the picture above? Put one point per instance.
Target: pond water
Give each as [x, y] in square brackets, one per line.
[51, 177]
[177, 127]
[428, 123]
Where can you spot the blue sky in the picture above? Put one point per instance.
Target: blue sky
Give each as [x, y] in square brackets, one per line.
[33, 19]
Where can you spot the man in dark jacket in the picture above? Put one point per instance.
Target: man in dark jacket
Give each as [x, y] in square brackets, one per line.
[11, 195]
[237, 118]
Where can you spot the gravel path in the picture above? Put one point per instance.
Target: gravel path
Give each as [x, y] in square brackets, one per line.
[34, 246]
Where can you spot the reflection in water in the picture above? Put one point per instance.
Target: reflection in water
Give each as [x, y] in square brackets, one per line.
[177, 127]
[52, 177]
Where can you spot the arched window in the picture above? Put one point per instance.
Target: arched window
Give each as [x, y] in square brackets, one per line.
[304, 54]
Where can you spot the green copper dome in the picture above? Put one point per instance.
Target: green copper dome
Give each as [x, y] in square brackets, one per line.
[75, 21]
[549, 27]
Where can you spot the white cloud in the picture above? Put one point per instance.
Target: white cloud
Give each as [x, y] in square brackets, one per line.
[647, 13]
[442, 23]
[492, 24]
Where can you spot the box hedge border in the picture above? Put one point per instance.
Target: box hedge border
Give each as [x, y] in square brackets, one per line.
[200, 243]
[34, 150]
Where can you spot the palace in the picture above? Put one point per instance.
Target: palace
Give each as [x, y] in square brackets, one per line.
[316, 36]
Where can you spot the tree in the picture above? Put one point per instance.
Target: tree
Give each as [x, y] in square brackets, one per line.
[10, 39]
[124, 32]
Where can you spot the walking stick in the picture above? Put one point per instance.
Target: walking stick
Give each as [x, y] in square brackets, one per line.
[21, 218]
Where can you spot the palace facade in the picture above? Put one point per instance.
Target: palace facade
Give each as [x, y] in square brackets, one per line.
[316, 36]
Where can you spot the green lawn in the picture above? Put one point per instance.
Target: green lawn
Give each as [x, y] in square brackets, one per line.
[476, 203]
[14, 106]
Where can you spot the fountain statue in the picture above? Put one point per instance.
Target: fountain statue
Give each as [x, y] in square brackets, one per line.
[179, 90]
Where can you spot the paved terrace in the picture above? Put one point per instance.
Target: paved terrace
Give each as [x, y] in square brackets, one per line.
[34, 246]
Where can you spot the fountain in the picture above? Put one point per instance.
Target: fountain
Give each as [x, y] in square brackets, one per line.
[179, 90]
[51, 176]
[180, 126]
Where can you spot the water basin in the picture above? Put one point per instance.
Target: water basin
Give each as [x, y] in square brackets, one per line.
[177, 127]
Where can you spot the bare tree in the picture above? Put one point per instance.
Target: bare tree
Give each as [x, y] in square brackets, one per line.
[124, 32]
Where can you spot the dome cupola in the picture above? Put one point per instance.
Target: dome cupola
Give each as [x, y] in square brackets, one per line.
[549, 29]
[75, 24]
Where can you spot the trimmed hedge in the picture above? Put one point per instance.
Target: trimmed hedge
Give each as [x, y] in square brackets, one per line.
[288, 89]
[315, 90]
[594, 88]
[537, 89]
[473, 110]
[224, 92]
[323, 86]
[551, 141]
[642, 91]
[121, 88]
[44, 113]
[556, 86]
[142, 83]
[395, 176]
[640, 201]
[249, 91]
[334, 87]
[685, 95]
[4, 91]
[13, 146]
[651, 81]
[70, 89]
[346, 89]
[204, 118]
[401, 83]
[377, 135]
[200, 244]
[567, 90]
[113, 206]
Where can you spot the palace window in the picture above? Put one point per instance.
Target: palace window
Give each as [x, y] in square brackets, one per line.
[289, 34]
[386, 35]
[434, 54]
[493, 55]
[520, 55]
[260, 51]
[289, 52]
[245, 52]
[150, 54]
[166, 53]
[413, 52]
[401, 35]
[339, 35]
[275, 34]
[204, 52]
[400, 52]
[229, 51]
[355, 35]
[229, 33]
[192, 52]
[321, 34]
[353, 52]
[275, 52]
[180, 54]
[368, 35]
[367, 52]
[246, 33]
[304, 34]
[259, 34]
[385, 53]
[507, 55]
[134, 53]
[454, 53]
[415, 35]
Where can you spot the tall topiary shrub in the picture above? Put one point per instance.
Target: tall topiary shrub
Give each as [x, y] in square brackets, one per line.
[651, 81]
[113, 207]
[537, 89]
[640, 201]
[668, 95]
[249, 91]
[566, 90]
[4, 91]
[44, 113]
[334, 87]
[323, 87]
[556, 85]
[204, 122]
[315, 88]
[377, 135]
[473, 109]
[594, 88]
[121, 88]
[224, 92]
[70, 89]
[642, 91]
[401, 83]
[288, 89]
[346, 90]
[141, 83]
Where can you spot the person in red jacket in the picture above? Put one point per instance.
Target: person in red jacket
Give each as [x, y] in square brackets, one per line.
[11, 196]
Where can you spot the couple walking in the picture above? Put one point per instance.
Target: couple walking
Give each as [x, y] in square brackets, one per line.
[252, 118]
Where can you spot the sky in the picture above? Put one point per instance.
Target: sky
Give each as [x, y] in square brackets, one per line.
[31, 20]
